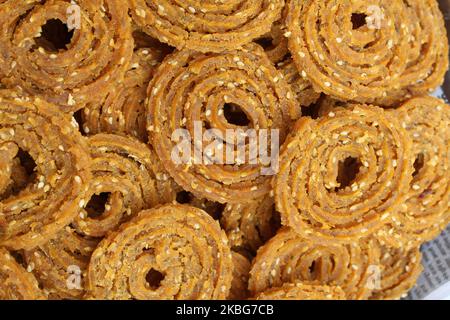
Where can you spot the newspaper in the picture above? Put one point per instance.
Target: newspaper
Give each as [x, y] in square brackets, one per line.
[434, 283]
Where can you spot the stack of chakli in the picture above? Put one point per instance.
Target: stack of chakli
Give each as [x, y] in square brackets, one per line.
[93, 204]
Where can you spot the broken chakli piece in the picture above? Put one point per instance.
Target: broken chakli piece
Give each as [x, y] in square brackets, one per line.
[191, 89]
[343, 177]
[172, 252]
[381, 54]
[68, 59]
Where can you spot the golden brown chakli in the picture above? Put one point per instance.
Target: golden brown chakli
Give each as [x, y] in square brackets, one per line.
[69, 54]
[16, 282]
[191, 89]
[344, 176]
[425, 211]
[45, 150]
[123, 110]
[206, 26]
[288, 258]
[382, 53]
[172, 252]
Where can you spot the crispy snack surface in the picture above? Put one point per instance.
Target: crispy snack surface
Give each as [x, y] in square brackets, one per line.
[425, 212]
[180, 244]
[221, 149]
[48, 174]
[344, 176]
[206, 26]
[382, 52]
[83, 70]
[192, 91]
[16, 282]
[288, 258]
[300, 291]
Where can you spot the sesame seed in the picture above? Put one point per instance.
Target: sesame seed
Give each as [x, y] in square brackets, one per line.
[390, 44]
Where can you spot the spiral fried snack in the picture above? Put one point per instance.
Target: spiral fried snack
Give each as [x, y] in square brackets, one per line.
[379, 52]
[15, 282]
[193, 92]
[344, 176]
[239, 285]
[288, 258]
[54, 160]
[200, 25]
[124, 183]
[250, 225]
[60, 265]
[69, 54]
[173, 252]
[400, 270]
[424, 213]
[301, 291]
[123, 110]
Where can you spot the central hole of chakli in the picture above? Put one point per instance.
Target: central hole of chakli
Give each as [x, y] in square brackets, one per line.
[418, 164]
[184, 197]
[154, 278]
[358, 20]
[27, 162]
[78, 116]
[23, 172]
[235, 115]
[265, 42]
[312, 268]
[55, 36]
[96, 206]
[347, 172]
